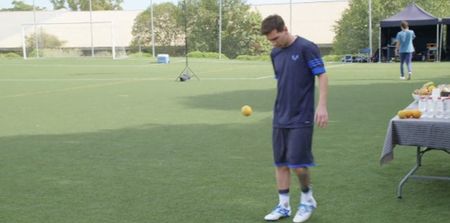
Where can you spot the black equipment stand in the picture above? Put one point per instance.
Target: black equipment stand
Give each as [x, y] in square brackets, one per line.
[187, 73]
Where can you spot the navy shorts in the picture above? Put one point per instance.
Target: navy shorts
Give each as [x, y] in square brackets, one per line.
[292, 147]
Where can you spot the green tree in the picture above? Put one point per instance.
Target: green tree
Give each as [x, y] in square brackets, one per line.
[200, 18]
[202, 24]
[83, 5]
[45, 41]
[21, 6]
[241, 30]
[352, 31]
[167, 30]
[58, 4]
[240, 27]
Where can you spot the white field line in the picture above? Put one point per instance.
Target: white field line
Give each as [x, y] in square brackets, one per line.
[128, 79]
[116, 81]
[34, 93]
[80, 79]
[91, 65]
[125, 79]
[140, 79]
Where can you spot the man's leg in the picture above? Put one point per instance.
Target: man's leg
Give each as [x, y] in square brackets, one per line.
[402, 61]
[283, 181]
[301, 158]
[408, 64]
[307, 201]
[282, 175]
[283, 209]
[303, 177]
[305, 186]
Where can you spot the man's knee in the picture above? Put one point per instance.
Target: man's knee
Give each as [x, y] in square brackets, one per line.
[283, 169]
[301, 171]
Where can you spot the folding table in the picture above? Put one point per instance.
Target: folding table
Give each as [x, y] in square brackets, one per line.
[425, 134]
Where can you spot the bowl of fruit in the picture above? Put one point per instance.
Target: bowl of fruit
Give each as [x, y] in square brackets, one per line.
[423, 91]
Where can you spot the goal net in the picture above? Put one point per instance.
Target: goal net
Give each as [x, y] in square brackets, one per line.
[81, 39]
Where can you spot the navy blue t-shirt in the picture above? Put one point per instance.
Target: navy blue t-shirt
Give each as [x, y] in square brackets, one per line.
[295, 69]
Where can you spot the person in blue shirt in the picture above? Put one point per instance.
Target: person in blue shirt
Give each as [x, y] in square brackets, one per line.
[297, 64]
[405, 48]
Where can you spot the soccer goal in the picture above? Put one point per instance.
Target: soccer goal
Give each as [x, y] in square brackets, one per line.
[80, 39]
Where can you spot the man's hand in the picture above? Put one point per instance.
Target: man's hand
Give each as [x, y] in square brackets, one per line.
[321, 117]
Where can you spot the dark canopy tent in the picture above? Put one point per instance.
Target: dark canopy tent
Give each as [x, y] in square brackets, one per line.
[445, 49]
[425, 26]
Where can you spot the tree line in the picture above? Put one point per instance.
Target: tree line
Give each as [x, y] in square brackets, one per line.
[198, 20]
[74, 5]
[352, 32]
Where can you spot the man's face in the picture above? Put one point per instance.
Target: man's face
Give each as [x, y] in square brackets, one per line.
[278, 39]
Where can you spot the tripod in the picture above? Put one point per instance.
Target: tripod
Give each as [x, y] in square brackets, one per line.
[186, 73]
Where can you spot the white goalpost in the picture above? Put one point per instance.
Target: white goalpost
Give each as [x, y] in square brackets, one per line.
[74, 39]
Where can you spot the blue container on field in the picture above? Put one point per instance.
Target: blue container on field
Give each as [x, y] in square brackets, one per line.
[162, 58]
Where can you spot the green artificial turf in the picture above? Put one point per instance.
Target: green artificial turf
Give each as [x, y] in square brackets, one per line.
[98, 140]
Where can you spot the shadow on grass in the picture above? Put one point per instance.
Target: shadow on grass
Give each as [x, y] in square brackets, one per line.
[215, 173]
[148, 173]
[167, 173]
[359, 115]
[344, 100]
[262, 100]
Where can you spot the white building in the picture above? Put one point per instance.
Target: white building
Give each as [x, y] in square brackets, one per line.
[69, 26]
[311, 20]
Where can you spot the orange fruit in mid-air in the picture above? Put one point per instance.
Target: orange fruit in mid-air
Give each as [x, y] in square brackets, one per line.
[246, 110]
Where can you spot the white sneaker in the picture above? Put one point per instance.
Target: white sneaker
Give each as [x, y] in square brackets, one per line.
[305, 210]
[277, 213]
[409, 76]
[402, 77]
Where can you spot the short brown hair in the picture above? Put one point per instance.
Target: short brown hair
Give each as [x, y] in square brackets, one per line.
[270, 23]
[404, 24]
